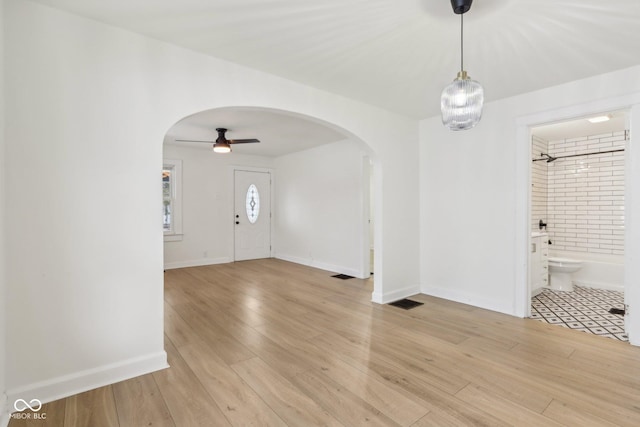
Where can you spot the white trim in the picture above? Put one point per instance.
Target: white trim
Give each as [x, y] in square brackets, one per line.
[365, 230]
[632, 227]
[321, 265]
[79, 382]
[600, 285]
[196, 262]
[469, 299]
[522, 241]
[176, 189]
[173, 237]
[395, 295]
[630, 102]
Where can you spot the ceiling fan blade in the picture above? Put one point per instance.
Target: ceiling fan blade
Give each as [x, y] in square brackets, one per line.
[242, 141]
[194, 140]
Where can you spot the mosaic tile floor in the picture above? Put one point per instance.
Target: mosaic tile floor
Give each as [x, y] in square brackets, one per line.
[584, 309]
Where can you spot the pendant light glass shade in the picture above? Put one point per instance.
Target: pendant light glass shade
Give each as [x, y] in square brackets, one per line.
[461, 103]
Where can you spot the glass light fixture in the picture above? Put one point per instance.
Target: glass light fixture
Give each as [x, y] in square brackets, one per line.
[221, 147]
[461, 101]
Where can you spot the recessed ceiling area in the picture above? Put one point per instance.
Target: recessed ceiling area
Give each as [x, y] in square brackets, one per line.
[394, 54]
[581, 127]
[279, 132]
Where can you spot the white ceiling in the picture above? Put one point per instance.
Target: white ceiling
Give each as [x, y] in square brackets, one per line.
[581, 127]
[279, 133]
[394, 54]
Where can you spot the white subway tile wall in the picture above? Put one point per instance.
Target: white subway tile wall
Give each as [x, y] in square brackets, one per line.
[538, 182]
[585, 195]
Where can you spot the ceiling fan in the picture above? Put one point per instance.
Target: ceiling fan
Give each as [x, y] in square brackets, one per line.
[222, 144]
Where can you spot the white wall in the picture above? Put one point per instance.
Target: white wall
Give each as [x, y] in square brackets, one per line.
[475, 195]
[88, 106]
[3, 325]
[207, 206]
[319, 213]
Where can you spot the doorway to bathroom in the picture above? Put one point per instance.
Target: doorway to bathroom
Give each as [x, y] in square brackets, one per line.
[577, 223]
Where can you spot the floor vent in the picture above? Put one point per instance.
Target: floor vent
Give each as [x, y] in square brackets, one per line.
[343, 276]
[406, 303]
[616, 311]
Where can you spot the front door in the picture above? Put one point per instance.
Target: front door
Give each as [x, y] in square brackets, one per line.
[252, 215]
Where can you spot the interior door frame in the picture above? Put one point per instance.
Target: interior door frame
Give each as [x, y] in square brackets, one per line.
[232, 173]
[630, 103]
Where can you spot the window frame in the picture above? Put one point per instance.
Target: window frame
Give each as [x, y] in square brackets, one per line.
[175, 231]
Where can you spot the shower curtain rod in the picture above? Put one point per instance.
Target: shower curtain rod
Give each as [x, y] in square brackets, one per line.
[550, 159]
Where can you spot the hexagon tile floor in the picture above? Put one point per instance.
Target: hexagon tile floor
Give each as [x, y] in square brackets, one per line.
[584, 309]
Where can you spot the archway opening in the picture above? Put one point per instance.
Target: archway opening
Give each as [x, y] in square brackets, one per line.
[321, 189]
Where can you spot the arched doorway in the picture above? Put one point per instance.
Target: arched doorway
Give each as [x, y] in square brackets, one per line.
[320, 188]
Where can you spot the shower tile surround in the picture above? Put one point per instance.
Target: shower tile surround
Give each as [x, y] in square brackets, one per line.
[580, 198]
[539, 184]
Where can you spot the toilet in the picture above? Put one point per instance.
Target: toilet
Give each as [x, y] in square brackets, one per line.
[560, 270]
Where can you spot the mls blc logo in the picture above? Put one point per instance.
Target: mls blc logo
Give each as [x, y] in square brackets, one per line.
[34, 404]
[21, 405]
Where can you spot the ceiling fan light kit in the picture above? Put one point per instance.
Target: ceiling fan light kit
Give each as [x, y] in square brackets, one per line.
[222, 144]
[221, 147]
[461, 101]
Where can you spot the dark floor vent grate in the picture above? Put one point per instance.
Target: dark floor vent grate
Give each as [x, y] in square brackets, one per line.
[406, 303]
[342, 276]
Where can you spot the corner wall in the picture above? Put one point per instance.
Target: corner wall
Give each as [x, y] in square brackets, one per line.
[319, 208]
[474, 186]
[90, 105]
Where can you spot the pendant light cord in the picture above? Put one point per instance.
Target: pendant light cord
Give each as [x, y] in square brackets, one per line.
[461, 42]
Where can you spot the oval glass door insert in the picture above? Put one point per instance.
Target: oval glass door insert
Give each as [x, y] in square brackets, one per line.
[252, 204]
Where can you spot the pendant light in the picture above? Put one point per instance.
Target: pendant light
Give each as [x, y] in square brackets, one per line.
[461, 101]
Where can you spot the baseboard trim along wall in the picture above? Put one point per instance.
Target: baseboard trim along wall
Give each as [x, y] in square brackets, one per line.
[600, 285]
[395, 295]
[469, 299]
[323, 266]
[196, 263]
[79, 382]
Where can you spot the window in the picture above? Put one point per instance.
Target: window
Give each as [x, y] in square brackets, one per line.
[252, 204]
[167, 198]
[172, 200]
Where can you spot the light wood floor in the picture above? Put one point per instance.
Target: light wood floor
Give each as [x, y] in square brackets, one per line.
[270, 343]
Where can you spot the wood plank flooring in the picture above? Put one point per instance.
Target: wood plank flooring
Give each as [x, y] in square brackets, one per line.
[271, 343]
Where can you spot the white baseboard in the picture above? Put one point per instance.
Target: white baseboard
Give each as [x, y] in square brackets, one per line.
[196, 263]
[396, 295]
[596, 285]
[323, 265]
[79, 382]
[469, 299]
